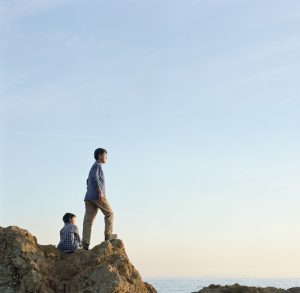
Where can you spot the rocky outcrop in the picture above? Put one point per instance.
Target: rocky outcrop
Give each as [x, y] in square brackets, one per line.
[26, 266]
[236, 288]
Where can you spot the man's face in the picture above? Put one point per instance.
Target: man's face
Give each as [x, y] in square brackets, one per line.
[103, 158]
[73, 220]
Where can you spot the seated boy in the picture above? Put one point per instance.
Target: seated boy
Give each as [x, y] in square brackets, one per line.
[69, 235]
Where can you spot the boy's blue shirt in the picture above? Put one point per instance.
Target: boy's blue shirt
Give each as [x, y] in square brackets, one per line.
[69, 238]
[94, 181]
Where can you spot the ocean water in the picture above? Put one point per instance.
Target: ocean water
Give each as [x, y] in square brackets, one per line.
[188, 285]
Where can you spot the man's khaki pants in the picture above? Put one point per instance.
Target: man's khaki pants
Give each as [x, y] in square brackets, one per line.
[91, 209]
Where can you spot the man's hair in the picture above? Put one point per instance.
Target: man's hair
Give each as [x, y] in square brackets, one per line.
[67, 217]
[98, 152]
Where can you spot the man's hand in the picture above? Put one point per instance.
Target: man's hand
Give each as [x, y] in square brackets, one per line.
[101, 195]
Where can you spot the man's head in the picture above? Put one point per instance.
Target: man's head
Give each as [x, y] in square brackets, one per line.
[100, 155]
[69, 218]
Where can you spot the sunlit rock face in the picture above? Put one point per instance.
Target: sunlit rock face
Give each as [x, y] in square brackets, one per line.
[26, 266]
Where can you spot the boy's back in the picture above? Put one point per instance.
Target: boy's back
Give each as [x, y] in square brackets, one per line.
[69, 238]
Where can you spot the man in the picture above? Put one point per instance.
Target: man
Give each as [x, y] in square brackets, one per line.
[95, 198]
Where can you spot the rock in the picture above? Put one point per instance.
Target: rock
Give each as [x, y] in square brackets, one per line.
[26, 266]
[236, 288]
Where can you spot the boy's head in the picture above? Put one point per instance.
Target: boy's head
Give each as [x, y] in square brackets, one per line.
[100, 155]
[69, 218]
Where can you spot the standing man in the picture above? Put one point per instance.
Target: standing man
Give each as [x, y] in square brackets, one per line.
[95, 198]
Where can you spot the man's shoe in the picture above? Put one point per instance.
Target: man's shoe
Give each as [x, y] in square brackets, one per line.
[110, 236]
[85, 246]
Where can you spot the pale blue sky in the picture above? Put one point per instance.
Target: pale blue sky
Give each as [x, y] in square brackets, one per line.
[197, 103]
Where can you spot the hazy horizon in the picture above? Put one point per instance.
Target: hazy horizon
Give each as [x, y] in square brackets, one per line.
[197, 103]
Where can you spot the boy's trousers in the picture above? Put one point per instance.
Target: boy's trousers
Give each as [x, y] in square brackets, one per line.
[91, 209]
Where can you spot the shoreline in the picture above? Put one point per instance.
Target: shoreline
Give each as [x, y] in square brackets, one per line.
[194, 284]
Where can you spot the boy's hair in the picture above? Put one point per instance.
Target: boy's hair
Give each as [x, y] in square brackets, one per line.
[98, 152]
[67, 217]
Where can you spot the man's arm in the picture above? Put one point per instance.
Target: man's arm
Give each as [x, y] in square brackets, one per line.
[97, 181]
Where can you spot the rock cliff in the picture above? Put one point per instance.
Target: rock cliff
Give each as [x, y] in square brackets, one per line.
[26, 266]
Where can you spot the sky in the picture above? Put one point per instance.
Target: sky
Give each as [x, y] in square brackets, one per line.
[197, 104]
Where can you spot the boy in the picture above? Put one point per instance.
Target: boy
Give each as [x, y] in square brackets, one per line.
[95, 198]
[69, 235]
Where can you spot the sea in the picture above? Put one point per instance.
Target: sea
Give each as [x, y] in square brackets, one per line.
[188, 285]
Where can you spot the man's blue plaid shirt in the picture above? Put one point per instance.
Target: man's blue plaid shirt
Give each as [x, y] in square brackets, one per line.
[69, 238]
